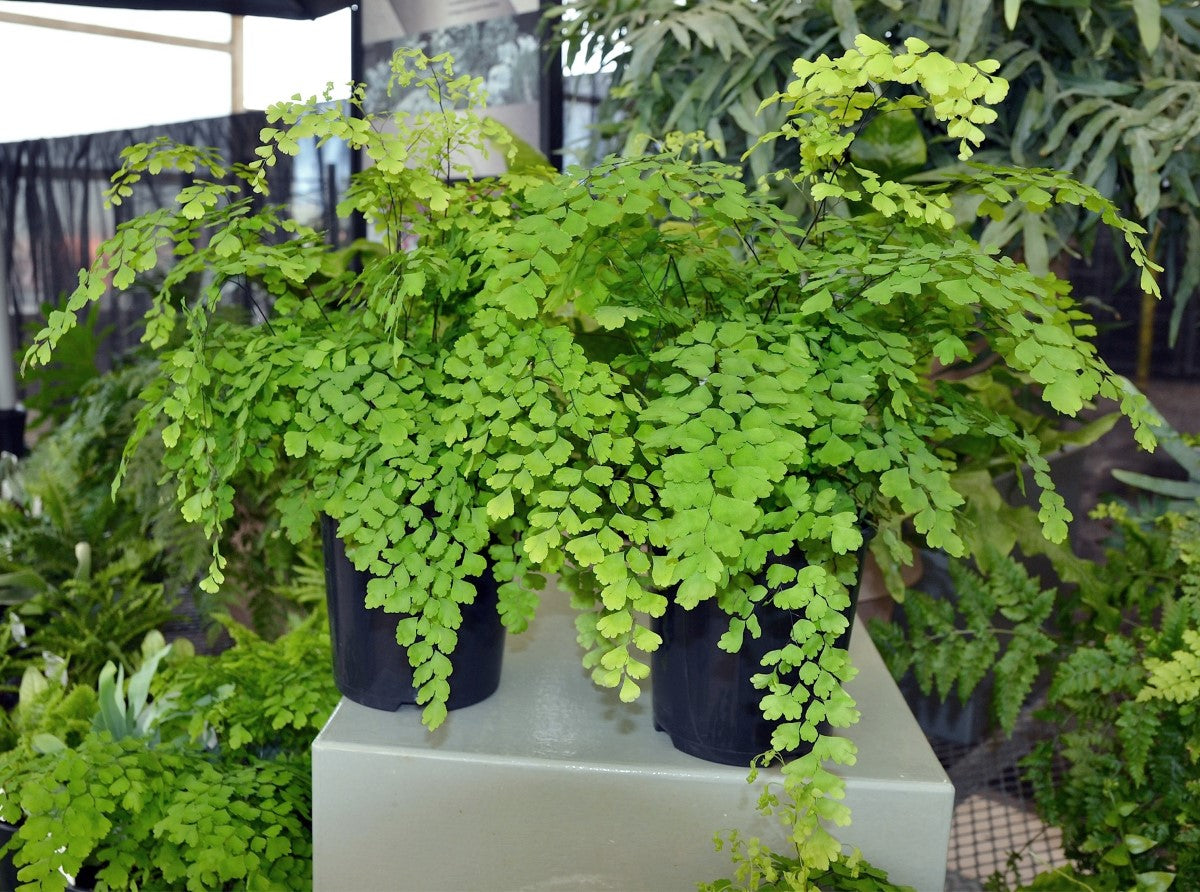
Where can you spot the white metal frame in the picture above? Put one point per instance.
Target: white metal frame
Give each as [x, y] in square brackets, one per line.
[234, 46]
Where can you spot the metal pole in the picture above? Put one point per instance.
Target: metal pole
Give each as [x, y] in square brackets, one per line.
[12, 419]
[8, 381]
[358, 223]
[1145, 351]
[237, 64]
[105, 31]
[550, 107]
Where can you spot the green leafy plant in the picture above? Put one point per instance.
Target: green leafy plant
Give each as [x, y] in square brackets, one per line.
[643, 375]
[45, 707]
[83, 622]
[95, 435]
[357, 388]
[135, 716]
[1120, 776]
[84, 575]
[59, 496]
[260, 697]
[760, 868]
[996, 623]
[51, 392]
[1000, 513]
[1182, 495]
[193, 788]
[761, 384]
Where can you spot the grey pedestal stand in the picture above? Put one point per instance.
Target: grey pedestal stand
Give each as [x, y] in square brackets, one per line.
[554, 784]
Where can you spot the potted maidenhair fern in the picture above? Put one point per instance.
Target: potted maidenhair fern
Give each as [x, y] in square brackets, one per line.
[358, 375]
[754, 393]
[644, 376]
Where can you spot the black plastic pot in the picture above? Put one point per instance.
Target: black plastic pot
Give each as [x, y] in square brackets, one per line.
[12, 432]
[8, 870]
[702, 695]
[370, 668]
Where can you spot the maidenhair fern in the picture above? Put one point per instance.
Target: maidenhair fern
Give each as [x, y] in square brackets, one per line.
[350, 385]
[642, 375]
[771, 374]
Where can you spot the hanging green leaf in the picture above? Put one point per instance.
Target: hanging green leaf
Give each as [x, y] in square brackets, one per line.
[1149, 22]
[1012, 9]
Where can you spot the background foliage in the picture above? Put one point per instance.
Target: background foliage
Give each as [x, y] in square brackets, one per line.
[1117, 769]
[1105, 91]
[208, 789]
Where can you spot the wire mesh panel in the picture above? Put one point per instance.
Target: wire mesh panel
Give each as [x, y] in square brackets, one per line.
[995, 828]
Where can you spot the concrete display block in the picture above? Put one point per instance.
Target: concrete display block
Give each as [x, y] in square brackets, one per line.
[554, 784]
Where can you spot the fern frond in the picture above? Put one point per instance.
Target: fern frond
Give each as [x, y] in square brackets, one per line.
[1176, 679]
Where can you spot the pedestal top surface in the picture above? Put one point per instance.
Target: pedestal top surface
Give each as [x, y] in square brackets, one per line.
[548, 712]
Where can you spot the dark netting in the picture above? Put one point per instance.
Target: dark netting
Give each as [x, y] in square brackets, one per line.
[1115, 298]
[53, 214]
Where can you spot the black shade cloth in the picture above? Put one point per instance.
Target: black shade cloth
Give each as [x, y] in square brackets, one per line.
[53, 214]
[281, 9]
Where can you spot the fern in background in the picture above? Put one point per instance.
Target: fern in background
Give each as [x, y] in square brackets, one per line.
[1119, 770]
[50, 392]
[213, 793]
[260, 698]
[61, 496]
[997, 623]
